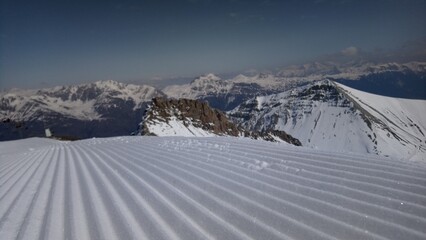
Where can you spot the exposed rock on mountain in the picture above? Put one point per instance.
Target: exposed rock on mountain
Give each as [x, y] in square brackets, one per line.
[186, 117]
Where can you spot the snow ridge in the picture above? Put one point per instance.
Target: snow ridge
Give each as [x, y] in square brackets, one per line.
[204, 188]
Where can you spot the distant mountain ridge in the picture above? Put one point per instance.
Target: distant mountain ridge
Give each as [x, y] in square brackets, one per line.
[325, 116]
[406, 80]
[103, 108]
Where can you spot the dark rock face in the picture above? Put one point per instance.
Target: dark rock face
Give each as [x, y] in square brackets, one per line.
[272, 136]
[187, 110]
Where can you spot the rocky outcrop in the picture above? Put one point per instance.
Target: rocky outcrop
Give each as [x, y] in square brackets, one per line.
[187, 117]
[274, 136]
[190, 112]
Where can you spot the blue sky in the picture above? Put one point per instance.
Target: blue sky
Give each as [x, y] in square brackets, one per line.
[47, 43]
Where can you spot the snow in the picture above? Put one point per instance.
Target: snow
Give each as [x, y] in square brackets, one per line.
[201, 86]
[175, 127]
[204, 188]
[397, 130]
[404, 117]
[23, 105]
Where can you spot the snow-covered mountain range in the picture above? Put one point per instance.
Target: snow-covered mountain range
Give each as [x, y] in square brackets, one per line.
[284, 100]
[333, 117]
[223, 94]
[393, 79]
[103, 108]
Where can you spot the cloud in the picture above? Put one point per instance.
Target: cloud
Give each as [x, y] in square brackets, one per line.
[233, 15]
[414, 50]
[350, 51]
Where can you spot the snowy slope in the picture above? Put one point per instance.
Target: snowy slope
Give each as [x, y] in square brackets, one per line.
[325, 116]
[204, 188]
[175, 127]
[396, 120]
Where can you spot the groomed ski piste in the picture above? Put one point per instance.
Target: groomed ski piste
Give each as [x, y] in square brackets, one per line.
[204, 188]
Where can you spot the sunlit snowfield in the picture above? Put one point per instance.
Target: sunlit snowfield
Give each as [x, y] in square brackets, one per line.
[204, 188]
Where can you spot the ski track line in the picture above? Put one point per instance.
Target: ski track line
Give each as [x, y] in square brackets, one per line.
[104, 217]
[240, 214]
[54, 204]
[317, 154]
[222, 156]
[348, 168]
[288, 161]
[367, 220]
[68, 214]
[31, 208]
[139, 201]
[313, 157]
[41, 204]
[204, 188]
[241, 197]
[15, 190]
[391, 164]
[13, 162]
[19, 167]
[178, 213]
[173, 208]
[20, 205]
[120, 211]
[90, 216]
[225, 225]
[298, 176]
[113, 192]
[262, 156]
[368, 186]
[348, 201]
[79, 222]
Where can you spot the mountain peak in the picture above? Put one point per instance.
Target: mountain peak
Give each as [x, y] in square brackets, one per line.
[111, 84]
[212, 76]
[207, 77]
[330, 116]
